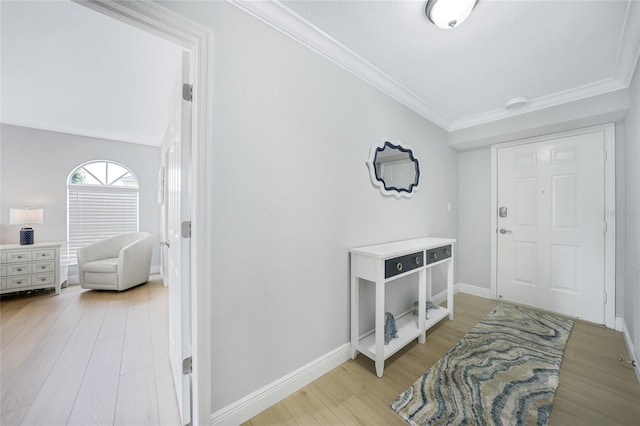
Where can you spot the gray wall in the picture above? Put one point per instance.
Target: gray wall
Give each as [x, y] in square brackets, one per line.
[35, 165]
[292, 194]
[632, 213]
[474, 229]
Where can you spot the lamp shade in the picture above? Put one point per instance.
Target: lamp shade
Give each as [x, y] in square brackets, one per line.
[447, 14]
[26, 216]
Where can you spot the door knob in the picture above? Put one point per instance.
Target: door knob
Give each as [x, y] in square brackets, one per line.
[505, 231]
[165, 243]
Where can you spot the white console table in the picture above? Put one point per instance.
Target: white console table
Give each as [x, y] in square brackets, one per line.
[384, 263]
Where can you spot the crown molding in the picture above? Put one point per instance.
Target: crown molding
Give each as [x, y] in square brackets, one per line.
[286, 21]
[555, 99]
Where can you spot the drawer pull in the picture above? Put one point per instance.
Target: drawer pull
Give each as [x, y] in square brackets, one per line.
[43, 267]
[43, 255]
[18, 282]
[399, 266]
[435, 255]
[418, 260]
[18, 257]
[43, 279]
[19, 269]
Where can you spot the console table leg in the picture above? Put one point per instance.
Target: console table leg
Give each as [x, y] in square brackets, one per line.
[355, 310]
[422, 302]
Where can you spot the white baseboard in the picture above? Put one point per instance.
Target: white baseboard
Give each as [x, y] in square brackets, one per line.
[474, 290]
[258, 401]
[629, 342]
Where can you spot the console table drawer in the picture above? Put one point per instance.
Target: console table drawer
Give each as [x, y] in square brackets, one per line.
[19, 269]
[18, 256]
[438, 254]
[402, 264]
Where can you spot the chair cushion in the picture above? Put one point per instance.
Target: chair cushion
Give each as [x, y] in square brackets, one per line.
[102, 265]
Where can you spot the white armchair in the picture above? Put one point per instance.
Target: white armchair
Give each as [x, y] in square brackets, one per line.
[116, 263]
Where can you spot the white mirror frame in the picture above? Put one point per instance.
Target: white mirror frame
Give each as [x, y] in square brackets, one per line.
[372, 169]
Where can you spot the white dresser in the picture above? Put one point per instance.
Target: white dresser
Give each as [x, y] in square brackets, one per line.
[381, 265]
[31, 267]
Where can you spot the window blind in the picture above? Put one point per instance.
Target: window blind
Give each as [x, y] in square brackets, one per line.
[96, 213]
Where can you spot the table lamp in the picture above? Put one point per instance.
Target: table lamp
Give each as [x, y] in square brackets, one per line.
[26, 217]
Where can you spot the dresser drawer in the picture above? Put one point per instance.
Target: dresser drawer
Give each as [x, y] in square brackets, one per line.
[3, 257]
[438, 254]
[41, 267]
[18, 256]
[46, 254]
[402, 264]
[19, 269]
[17, 282]
[40, 279]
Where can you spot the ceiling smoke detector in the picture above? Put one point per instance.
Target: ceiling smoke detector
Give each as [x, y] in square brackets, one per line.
[515, 103]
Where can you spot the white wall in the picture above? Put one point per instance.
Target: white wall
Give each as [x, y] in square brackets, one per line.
[632, 213]
[292, 194]
[474, 229]
[35, 165]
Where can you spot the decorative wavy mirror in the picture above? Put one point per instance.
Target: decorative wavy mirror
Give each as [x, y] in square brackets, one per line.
[393, 168]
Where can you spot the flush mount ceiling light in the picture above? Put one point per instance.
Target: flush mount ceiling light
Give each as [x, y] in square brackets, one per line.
[447, 14]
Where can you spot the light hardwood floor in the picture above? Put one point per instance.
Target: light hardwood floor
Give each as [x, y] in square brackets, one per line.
[87, 357]
[595, 388]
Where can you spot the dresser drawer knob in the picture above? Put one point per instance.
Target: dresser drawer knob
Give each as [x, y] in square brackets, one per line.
[18, 257]
[43, 267]
[418, 260]
[399, 266]
[19, 269]
[435, 255]
[18, 282]
[43, 279]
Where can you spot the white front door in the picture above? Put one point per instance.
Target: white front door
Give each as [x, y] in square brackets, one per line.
[178, 212]
[551, 225]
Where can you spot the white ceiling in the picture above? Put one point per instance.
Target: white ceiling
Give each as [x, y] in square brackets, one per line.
[551, 52]
[68, 68]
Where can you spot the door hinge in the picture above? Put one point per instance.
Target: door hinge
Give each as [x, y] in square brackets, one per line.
[606, 155]
[187, 92]
[186, 229]
[604, 298]
[187, 365]
[605, 227]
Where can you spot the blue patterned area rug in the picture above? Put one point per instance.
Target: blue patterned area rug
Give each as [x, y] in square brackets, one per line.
[503, 372]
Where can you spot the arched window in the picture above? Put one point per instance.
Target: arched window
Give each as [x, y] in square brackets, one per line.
[102, 202]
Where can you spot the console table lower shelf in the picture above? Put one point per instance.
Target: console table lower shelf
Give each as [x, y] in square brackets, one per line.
[407, 326]
[381, 265]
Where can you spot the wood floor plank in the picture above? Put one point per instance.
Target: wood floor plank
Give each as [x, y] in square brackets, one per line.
[138, 349]
[595, 389]
[13, 417]
[96, 400]
[21, 385]
[54, 402]
[81, 343]
[82, 322]
[137, 398]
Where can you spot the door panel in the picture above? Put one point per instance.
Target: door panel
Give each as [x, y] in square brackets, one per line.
[179, 256]
[551, 254]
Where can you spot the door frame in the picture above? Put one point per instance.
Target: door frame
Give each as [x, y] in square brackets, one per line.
[609, 213]
[158, 20]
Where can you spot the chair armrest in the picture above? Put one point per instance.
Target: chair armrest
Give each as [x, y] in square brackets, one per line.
[134, 261]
